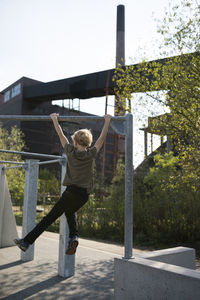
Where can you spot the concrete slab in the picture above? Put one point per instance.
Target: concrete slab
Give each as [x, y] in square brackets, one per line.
[139, 279]
[178, 256]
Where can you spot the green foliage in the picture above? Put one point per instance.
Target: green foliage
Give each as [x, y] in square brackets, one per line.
[13, 140]
[48, 189]
[103, 217]
[48, 183]
[169, 207]
[114, 202]
[15, 179]
[163, 172]
[165, 209]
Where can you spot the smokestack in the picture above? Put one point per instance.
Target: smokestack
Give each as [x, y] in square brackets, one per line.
[120, 42]
[120, 55]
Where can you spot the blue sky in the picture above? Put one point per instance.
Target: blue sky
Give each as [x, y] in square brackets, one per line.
[54, 39]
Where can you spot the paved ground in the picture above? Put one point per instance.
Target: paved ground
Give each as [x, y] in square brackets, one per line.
[38, 279]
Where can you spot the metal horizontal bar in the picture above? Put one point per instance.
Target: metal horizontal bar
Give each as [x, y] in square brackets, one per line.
[12, 162]
[31, 154]
[15, 167]
[48, 162]
[60, 118]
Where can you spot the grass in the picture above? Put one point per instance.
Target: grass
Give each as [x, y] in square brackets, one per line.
[39, 215]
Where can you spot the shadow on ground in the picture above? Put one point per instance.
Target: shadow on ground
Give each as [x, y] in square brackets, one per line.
[39, 280]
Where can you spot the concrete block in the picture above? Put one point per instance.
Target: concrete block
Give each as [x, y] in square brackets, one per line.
[8, 230]
[178, 256]
[142, 278]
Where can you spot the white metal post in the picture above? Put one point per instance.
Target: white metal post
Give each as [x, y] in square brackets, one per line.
[129, 187]
[66, 263]
[30, 202]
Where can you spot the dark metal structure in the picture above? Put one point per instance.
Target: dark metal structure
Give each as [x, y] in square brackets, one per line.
[86, 86]
[82, 87]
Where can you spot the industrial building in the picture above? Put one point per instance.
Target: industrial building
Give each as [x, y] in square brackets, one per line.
[41, 136]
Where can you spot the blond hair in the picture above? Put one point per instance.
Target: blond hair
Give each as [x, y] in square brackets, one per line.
[83, 137]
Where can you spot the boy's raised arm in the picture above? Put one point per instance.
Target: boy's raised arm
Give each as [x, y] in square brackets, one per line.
[103, 134]
[58, 129]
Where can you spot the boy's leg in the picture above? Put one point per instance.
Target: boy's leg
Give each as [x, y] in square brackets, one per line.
[72, 223]
[73, 234]
[55, 213]
[78, 198]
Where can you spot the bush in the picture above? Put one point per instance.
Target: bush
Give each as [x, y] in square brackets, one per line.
[166, 210]
[103, 217]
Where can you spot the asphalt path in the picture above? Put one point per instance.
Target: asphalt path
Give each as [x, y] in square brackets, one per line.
[38, 279]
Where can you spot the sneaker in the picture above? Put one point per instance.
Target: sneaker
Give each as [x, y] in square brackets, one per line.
[73, 244]
[21, 244]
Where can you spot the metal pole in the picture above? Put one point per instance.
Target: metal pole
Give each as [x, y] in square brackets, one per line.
[129, 187]
[113, 123]
[145, 144]
[49, 162]
[2, 191]
[66, 263]
[120, 103]
[15, 167]
[30, 202]
[31, 154]
[12, 162]
[60, 118]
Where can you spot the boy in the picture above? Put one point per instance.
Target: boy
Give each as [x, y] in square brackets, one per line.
[78, 180]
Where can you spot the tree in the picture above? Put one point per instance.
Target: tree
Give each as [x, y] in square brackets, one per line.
[13, 140]
[178, 77]
[171, 207]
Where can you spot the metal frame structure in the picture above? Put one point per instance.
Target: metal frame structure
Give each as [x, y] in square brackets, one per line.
[31, 167]
[66, 263]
